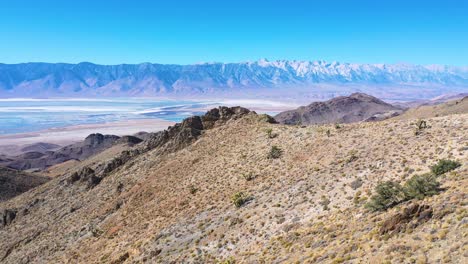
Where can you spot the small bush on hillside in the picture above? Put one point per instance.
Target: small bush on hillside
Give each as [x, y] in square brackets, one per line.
[420, 126]
[356, 184]
[325, 202]
[275, 152]
[352, 156]
[270, 133]
[444, 166]
[248, 176]
[420, 186]
[193, 189]
[388, 194]
[240, 198]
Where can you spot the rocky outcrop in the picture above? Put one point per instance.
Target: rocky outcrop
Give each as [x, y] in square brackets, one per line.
[344, 109]
[85, 175]
[6, 217]
[410, 217]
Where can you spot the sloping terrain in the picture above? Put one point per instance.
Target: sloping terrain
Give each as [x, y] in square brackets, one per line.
[41, 147]
[458, 106]
[169, 199]
[343, 109]
[13, 182]
[92, 145]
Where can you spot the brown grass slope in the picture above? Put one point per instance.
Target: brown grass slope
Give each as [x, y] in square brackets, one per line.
[164, 207]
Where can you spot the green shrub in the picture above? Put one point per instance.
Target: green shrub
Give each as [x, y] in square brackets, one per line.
[240, 198]
[388, 194]
[275, 152]
[444, 166]
[270, 133]
[420, 186]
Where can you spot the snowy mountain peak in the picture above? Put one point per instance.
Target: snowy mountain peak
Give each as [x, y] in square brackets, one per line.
[148, 79]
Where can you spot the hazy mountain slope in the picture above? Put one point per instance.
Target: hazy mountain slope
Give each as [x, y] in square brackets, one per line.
[344, 109]
[170, 199]
[13, 182]
[324, 80]
[92, 145]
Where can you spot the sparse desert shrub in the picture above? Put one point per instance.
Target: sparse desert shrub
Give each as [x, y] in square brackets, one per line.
[275, 152]
[420, 126]
[337, 126]
[444, 165]
[388, 194]
[270, 133]
[248, 176]
[324, 203]
[193, 189]
[356, 184]
[420, 186]
[352, 156]
[240, 198]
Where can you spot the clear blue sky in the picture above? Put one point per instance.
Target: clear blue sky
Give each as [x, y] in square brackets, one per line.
[191, 31]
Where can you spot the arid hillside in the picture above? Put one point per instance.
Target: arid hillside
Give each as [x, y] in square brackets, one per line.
[457, 106]
[233, 187]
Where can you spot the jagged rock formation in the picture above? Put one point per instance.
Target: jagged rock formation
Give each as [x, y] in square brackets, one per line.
[344, 109]
[13, 182]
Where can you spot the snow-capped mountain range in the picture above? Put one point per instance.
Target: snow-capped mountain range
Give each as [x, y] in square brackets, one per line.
[263, 76]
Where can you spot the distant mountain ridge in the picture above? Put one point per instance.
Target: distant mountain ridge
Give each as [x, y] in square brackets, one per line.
[146, 79]
[343, 109]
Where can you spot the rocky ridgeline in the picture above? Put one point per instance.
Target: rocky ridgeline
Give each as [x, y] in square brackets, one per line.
[172, 139]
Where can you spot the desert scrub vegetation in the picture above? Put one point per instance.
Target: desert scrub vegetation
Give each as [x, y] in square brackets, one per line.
[389, 193]
[420, 126]
[275, 152]
[248, 176]
[240, 198]
[193, 189]
[270, 134]
[420, 186]
[443, 166]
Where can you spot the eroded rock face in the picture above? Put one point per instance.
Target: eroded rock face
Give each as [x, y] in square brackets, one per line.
[216, 116]
[411, 216]
[6, 217]
[85, 175]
